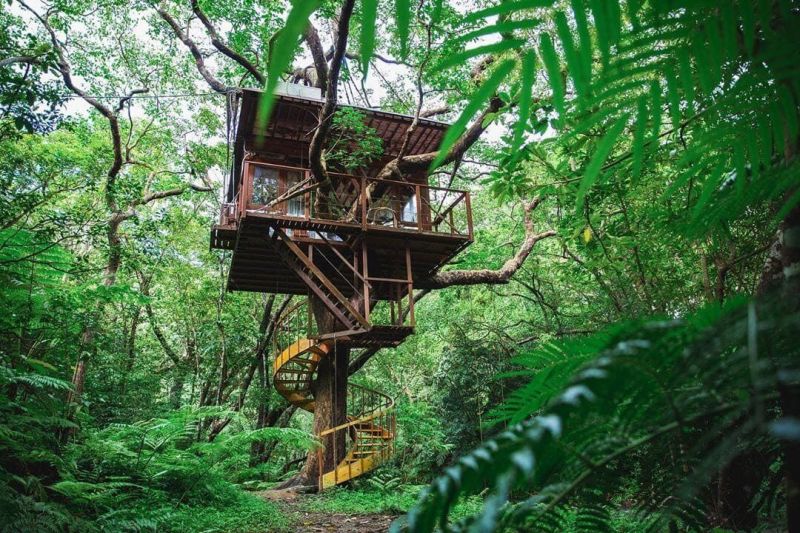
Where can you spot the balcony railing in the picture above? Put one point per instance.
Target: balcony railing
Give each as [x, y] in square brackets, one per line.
[289, 192]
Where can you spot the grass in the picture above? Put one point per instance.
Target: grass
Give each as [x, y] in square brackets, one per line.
[249, 514]
[364, 501]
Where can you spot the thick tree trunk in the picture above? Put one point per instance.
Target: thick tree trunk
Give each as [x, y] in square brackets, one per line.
[330, 400]
[89, 331]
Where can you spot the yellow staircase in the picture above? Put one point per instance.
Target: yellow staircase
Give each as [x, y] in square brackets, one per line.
[370, 427]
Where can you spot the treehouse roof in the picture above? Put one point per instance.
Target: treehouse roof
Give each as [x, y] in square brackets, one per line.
[294, 119]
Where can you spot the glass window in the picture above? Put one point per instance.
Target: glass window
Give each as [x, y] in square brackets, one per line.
[265, 185]
[295, 207]
[410, 209]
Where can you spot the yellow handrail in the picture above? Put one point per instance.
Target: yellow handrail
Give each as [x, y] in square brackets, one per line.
[371, 423]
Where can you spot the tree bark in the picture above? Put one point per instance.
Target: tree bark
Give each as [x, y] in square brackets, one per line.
[330, 401]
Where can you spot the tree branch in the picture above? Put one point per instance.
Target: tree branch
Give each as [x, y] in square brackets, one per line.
[177, 191]
[504, 273]
[222, 47]
[127, 98]
[435, 111]
[113, 122]
[31, 60]
[144, 287]
[320, 62]
[195, 51]
[321, 133]
[417, 162]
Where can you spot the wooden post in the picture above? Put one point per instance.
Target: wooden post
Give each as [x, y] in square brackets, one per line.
[355, 270]
[410, 278]
[319, 466]
[245, 190]
[363, 197]
[419, 207]
[469, 214]
[335, 455]
[309, 317]
[399, 305]
[366, 276]
[307, 207]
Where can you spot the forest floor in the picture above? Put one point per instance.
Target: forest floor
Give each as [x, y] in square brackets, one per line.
[305, 519]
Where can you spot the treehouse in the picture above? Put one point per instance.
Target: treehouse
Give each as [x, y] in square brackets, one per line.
[355, 244]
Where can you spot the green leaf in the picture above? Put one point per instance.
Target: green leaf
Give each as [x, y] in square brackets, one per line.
[601, 22]
[748, 25]
[715, 53]
[369, 14]
[403, 19]
[582, 25]
[466, 55]
[740, 166]
[499, 28]
[655, 107]
[672, 94]
[526, 86]
[638, 136]
[613, 13]
[436, 15]
[789, 111]
[481, 96]
[574, 62]
[506, 8]
[700, 54]
[711, 184]
[776, 119]
[685, 74]
[728, 26]
[553, 67]
[600, 155]
[633, 12]
[282, 53]
[764, 138]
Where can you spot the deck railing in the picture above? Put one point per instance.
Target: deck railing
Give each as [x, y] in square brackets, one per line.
[289, 192]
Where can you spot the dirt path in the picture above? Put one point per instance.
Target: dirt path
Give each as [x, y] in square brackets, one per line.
[316, 522]
[339, 523]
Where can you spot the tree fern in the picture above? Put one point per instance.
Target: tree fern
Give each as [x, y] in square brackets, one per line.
[633, 66]
[659, 389]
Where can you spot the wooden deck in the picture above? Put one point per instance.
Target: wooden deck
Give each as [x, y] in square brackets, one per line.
[255, 267]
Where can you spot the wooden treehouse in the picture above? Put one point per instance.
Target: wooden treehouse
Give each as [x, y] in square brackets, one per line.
[357, 246]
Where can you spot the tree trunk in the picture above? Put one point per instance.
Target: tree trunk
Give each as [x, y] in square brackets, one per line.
[88, 335]
[176, 391]
[330, 400]
[789, 391]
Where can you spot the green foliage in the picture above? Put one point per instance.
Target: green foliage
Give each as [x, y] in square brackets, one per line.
[654, 386]
[365, 500]
[352, 144]
[29, 99]
[729, 112]
[369, 497]
[648, 117]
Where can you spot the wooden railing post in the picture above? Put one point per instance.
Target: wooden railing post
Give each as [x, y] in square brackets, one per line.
[320, 466]
[364, 201]
[366, 277]
[469, 214]
[410, 280]
[418, 194]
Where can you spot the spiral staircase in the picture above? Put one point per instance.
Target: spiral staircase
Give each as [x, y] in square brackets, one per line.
[370, 429]
[370, 426]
